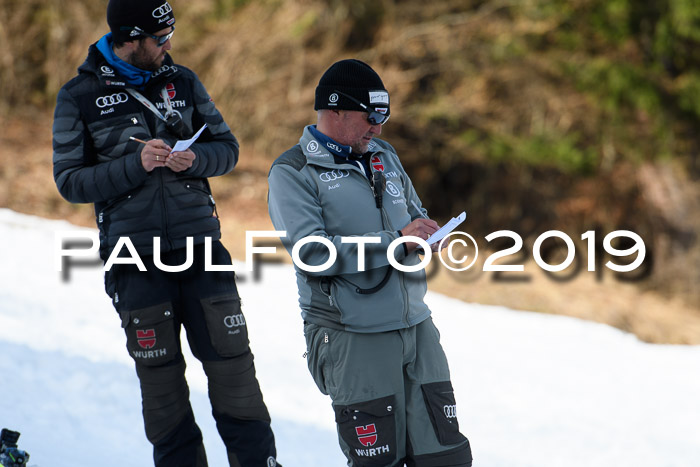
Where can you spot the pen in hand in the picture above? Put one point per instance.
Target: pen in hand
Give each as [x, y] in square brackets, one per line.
[132, 138]
[420, 211]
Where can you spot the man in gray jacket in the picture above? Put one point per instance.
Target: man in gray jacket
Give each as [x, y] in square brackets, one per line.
[372, 345]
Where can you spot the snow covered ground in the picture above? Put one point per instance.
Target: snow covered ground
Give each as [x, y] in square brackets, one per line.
[532, 390]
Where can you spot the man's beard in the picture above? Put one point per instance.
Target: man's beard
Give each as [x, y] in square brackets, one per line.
[140, 60]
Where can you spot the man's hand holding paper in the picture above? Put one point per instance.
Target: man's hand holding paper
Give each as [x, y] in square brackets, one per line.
[446, 229]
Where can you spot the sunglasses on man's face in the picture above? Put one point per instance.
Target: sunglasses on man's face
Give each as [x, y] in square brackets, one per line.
[161, 40]
[373, 117]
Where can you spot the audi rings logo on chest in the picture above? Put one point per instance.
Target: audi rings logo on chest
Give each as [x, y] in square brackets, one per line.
[111, 100]
[450, 411]
[234, 321]
[334, 175]
[162, 10]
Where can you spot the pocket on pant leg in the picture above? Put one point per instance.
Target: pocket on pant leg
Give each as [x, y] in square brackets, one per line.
[369, 429]
[151, 337]
[442, 409]
[226, 324]
[316, 355]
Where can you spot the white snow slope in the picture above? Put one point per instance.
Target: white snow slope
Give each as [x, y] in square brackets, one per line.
[532, 390]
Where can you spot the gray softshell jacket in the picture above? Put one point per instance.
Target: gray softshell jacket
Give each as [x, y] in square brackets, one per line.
[314, 193]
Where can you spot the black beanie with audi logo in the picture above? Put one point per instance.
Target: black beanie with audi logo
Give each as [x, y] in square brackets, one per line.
[352, 78]
[148, 15]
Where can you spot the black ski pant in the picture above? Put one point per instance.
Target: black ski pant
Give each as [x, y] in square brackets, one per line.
[153, 305]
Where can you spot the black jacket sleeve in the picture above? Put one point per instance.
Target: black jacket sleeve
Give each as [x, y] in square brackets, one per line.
[78, 178]
[217, 148]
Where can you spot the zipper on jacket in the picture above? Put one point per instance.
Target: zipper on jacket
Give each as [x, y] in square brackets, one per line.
[164, 211]
[386, 223]
[402, 279]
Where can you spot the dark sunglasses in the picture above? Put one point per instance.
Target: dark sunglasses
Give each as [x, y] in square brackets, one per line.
[374, 117]
[161, 40]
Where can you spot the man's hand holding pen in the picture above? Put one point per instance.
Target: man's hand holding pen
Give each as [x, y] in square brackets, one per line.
[156, 153]
[421, 228]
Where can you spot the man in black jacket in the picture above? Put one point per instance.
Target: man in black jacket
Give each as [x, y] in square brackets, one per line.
[159, 202]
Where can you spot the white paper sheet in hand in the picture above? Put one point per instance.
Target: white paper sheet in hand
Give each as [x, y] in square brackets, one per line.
[183, 145]
[447, 228]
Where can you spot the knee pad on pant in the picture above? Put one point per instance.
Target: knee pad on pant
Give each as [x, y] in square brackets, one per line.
[234, 389]
[165, 396]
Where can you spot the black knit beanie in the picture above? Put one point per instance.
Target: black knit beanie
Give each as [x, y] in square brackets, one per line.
[356, 79]
[149, 15]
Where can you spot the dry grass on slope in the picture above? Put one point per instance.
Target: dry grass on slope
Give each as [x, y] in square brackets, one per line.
[462, 80]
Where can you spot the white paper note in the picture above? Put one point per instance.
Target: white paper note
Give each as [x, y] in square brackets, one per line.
[183, 145]
[446, 229]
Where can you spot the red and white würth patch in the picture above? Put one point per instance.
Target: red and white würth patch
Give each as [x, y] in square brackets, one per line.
[367, 435]
[146, 338]
[377, 163]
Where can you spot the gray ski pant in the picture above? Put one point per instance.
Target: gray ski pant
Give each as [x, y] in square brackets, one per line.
[392, 396]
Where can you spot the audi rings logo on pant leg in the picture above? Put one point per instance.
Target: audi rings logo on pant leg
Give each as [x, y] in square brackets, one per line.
[162, 10]
[450, 411]
[234, 321]
[334, 175]
[109, 101]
